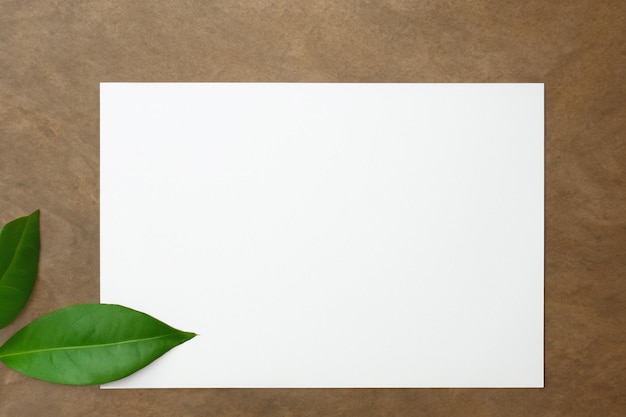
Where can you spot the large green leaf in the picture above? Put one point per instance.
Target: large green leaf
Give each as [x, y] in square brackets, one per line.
[89, 344]
[19, 261]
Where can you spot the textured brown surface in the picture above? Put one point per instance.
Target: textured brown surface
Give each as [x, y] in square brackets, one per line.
[53, 54]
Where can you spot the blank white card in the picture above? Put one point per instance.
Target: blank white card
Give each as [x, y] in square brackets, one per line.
[328, 235]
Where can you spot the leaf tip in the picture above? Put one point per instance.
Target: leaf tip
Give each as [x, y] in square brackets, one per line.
[34, 215]
[189, 335]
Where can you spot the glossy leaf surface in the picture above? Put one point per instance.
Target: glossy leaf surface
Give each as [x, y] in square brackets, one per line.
[19, 261]
[89, 344]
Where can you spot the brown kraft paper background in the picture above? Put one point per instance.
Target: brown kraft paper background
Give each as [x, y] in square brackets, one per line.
[54, 54]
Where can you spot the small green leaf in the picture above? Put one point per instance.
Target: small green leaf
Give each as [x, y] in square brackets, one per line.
[89, 344]
[19, 261]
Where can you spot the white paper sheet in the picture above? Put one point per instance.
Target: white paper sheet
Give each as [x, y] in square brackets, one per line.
[328, 235]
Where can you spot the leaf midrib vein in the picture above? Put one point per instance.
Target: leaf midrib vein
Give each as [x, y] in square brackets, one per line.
[102, 345]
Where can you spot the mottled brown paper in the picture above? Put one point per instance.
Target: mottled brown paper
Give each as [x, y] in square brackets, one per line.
[53, 54]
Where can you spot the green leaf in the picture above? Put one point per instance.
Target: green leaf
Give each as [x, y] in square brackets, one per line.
[89, 344]
[19, 261]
